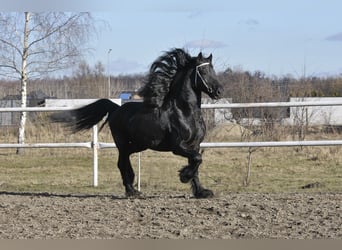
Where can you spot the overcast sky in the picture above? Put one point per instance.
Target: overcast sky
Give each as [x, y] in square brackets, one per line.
[276, 37]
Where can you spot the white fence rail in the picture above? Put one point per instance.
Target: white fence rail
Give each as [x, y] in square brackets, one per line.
[95, 145]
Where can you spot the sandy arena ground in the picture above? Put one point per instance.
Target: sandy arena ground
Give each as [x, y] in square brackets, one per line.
[237, 216]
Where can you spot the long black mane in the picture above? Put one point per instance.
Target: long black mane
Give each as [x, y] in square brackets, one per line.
[161, 76]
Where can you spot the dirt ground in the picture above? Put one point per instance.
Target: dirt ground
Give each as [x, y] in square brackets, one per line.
[237, 216]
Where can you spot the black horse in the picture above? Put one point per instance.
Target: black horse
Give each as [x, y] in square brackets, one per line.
[169, 118]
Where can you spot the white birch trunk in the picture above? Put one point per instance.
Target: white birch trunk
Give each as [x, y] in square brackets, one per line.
[23, 92]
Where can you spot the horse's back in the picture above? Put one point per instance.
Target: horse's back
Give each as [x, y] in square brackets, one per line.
[119, 119]
[136, 124]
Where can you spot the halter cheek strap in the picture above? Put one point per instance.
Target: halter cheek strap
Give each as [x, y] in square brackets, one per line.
[201, 77]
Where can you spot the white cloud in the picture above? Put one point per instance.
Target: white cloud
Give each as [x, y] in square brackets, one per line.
[250, 22]
[204, 44]
[335, 37]
[196, 14]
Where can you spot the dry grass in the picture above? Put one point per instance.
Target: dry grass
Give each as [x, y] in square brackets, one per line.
[223, 170]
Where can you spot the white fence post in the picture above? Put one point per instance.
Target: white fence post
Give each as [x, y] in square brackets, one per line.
[139, 170]
[95, 146]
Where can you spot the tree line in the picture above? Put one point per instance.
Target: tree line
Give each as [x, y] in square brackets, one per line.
[242, 86]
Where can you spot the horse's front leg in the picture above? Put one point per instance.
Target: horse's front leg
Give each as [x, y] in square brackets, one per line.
[190, 172]
[198, 190]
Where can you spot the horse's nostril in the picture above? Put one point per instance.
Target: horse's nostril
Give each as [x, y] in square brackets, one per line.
[219, 91]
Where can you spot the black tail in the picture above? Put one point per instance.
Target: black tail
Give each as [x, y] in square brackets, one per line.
[86, 117]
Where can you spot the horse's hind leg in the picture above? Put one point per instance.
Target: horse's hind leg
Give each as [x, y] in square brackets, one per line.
[127, 173]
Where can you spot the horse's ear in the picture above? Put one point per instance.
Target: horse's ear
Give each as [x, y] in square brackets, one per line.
[200, 56]
[210, 58]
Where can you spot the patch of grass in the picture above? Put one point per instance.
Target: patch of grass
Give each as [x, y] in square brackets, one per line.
[223, 170]
[272, 170]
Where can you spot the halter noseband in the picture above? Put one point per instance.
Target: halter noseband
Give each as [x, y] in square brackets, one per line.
[200, 76]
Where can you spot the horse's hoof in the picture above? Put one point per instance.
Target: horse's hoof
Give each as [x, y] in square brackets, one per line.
[184, 179]
[185, 175]
[133, 193]
[203, 194]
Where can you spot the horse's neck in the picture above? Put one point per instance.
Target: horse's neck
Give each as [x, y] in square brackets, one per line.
[188, 98]
[182, 95]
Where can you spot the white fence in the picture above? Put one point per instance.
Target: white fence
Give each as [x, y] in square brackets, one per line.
[95, 145]
[330, 115]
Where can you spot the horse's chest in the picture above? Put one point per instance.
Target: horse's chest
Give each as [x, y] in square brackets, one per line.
[198, 127]
[190, 127]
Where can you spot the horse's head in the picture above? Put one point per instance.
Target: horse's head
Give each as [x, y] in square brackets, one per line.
[205, 78]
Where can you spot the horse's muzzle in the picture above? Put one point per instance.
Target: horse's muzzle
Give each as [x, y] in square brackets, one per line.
[217, 92]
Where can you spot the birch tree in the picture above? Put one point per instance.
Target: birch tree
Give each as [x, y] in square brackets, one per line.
[36, 44]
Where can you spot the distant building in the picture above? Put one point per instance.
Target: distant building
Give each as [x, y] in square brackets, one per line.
[34, 99]
[125, 95]
[316, 115]
[128, 96]
[214, 117]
